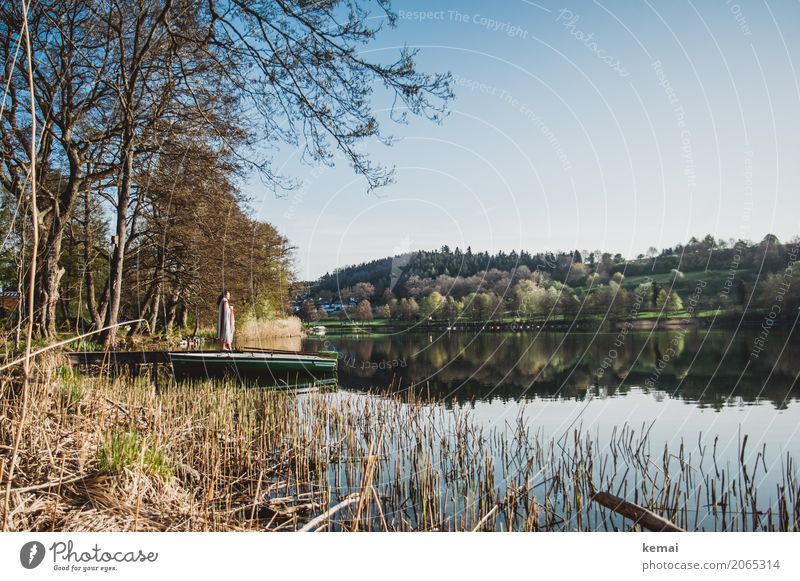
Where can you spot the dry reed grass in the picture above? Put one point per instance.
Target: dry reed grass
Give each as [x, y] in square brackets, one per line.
[103, 453]
[257, 329]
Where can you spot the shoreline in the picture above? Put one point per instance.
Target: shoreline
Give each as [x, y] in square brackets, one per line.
[214, 456]
[722, 321]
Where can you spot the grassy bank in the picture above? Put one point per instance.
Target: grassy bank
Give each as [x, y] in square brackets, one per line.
[722, 318]
[99, 453]
[555, 322]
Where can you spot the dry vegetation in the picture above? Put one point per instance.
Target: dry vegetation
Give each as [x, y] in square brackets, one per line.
[254, 329]
[100, 453]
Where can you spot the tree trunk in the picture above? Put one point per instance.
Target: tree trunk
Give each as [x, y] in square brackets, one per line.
[156, 308]
[22, 304]
[150, 307]
[88, 266]
[64, 304]
[91, 298]
[49, 272]
[103, 305]
[158, 290]
[172, 309]
[109, 337]
[183, 317]
[48, 279]
[196, 321]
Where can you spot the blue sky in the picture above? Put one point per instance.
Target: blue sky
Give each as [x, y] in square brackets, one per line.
[589, 125]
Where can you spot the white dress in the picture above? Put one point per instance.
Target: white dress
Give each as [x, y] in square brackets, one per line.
[225, 324]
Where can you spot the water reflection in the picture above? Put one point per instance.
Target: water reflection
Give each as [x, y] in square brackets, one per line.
[710, 368]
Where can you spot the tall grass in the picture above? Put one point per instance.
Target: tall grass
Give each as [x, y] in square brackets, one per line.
[257, 329]
[122, 451]
[121, 455]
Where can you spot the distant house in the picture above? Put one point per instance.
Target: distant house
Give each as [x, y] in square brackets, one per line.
[331, 308]
[8, 302]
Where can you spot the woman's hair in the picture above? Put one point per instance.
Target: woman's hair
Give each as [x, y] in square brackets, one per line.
[221, 296]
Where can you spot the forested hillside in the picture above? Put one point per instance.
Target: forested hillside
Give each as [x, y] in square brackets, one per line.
[710, 274]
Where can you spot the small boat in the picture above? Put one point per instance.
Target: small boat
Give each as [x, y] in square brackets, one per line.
[319, 330]
[263, 367]
[272, 367]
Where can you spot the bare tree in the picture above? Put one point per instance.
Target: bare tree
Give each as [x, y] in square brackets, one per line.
[69, 47]
[115, 83]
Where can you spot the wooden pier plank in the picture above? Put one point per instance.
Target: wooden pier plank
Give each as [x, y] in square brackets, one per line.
[117, 357]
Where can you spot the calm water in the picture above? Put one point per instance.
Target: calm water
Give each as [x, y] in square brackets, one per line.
[689, 384]
[696, 392]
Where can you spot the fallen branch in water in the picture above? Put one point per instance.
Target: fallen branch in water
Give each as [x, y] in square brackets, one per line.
[485, 518]
[639, 515]
[315, 522]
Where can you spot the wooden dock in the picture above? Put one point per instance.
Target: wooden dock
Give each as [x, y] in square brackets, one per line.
[128, 358]
[118, 358]
[245, 365]
[134, 363]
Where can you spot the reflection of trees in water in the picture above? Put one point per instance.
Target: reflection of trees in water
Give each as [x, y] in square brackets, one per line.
[364, 350]
[692, 365]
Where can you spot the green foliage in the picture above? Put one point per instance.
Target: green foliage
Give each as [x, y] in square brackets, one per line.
[431, 305]
[263, 309]
[448, 283]
[67, 372]
[668, 301]
[71, 390]
[407, 309]
[127, 450]
[86, 345]
[482, 306]
[71, 394]
[451, 309]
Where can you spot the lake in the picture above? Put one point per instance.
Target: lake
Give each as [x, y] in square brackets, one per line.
[695, 380]
[689, 390]
[700, 425]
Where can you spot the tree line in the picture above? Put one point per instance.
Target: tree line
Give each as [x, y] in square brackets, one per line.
[149, 117]
[444, 284]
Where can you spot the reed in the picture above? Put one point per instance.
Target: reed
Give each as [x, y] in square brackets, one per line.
[117, 454]
[257, 329]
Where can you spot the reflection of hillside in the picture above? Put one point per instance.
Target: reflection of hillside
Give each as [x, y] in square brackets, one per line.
[698, 367]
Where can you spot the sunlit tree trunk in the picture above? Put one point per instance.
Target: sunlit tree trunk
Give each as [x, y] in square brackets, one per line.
[109, 337]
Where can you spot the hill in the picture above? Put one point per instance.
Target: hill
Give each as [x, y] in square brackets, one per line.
[446, 283]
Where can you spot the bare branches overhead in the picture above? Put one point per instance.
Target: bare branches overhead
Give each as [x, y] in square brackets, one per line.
[123, 88]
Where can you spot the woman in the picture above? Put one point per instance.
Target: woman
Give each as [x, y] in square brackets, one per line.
[225, 321]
